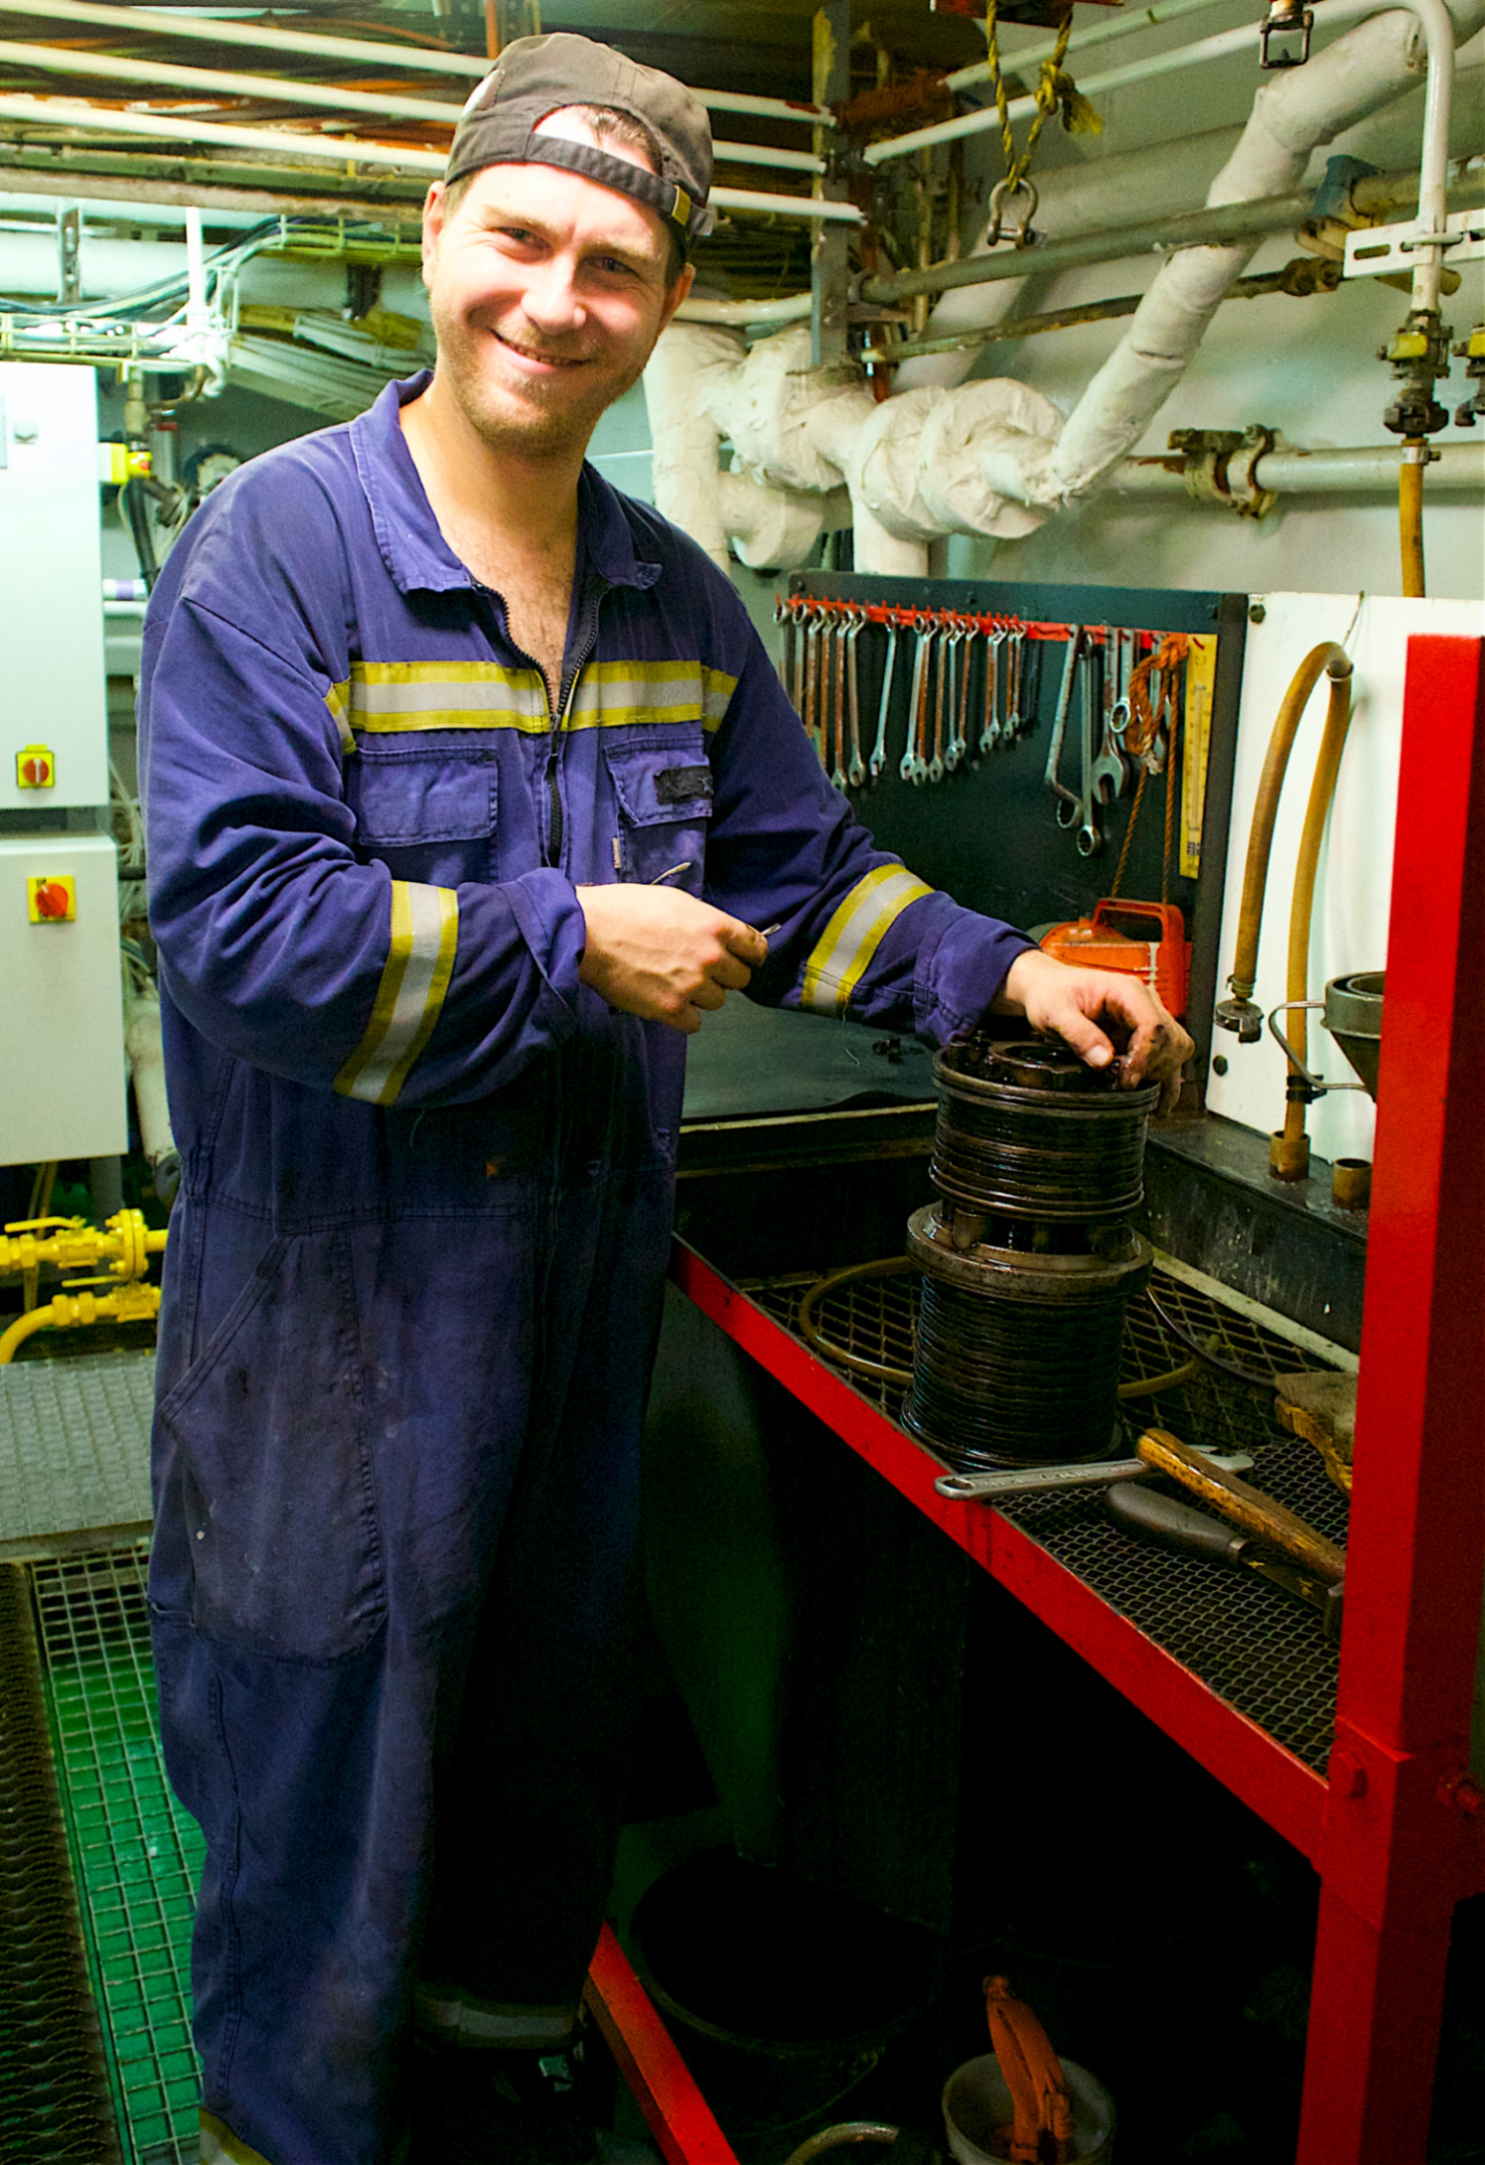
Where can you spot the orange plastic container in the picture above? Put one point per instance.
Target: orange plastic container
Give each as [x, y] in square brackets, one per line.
[1144, 939]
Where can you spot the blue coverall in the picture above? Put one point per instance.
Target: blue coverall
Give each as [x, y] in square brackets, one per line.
[416, 1262]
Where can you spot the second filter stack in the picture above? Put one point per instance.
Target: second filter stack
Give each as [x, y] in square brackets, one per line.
[1028, 1259]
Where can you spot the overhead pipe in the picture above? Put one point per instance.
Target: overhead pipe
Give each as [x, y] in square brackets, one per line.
[339, 149]
[1123, 25]
[270, 38]
[1287, 471]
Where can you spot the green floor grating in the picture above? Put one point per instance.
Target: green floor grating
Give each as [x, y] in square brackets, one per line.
[136, 1852]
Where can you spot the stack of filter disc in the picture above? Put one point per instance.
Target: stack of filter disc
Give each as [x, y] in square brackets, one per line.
[1028, 1258]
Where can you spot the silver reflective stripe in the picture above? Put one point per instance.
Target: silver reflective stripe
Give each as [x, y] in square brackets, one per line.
[420, 962]
[844, 950]
[393, 697]
[486, 2022]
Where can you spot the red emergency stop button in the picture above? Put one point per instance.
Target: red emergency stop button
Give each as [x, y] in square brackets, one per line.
[52, 901]
[35, 767]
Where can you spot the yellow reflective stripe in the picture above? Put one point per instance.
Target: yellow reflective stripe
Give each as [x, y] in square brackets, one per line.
[394, 698]
[337, 699]
[219, 2146]
[854, 934]
[425, 936]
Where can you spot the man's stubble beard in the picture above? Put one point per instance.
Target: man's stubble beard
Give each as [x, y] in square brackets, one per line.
[536, 420]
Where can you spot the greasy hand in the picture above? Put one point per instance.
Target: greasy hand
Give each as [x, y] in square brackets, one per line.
[657, 953]
[1060, 997]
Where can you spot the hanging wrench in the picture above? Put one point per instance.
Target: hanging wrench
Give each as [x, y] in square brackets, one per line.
[879, 749]
[856, 772]
[808, 713]
[990, 733]
[958, 734]
[1081, 811]
[912, 760]
[914, 700]
[948, 639]
[1109, 771]
[838, 771]
[1015, 666]
[1123, 659]
[1066, 797]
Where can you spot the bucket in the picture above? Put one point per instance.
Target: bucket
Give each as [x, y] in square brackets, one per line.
[977, 2101]
[780, 1995]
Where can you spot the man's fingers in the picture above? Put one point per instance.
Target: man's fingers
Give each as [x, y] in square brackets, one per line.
[748, 945]
[1083, 1034]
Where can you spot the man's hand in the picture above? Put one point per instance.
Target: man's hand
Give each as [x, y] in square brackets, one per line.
[663, 955]
[1060, 997]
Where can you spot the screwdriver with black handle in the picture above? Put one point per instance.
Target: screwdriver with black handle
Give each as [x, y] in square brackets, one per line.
[1162, 1518]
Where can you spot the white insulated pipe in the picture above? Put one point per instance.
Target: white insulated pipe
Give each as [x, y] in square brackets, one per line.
[1293, 113]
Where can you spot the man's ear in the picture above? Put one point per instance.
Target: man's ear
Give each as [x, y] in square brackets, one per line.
[433, 222]
[677, 293]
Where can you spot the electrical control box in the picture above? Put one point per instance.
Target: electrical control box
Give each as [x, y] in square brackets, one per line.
[62, 1080]
[53, 704]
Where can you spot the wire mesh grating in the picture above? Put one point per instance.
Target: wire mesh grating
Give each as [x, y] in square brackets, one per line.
[138, 1854]
[1258, 1650]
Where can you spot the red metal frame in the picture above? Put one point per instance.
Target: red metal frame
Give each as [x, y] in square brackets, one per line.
[1398, 1833]
[675, 2110]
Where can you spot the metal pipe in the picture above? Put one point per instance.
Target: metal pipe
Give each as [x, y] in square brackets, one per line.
[1370, 469]
[1432, 14]
[342, 149]
[784, 161]
[788, 308]
[277, 142]
[1057, 319]
[288, 90]
[1122, 26]
[473, 67]
[1410, 513]
[1189, 229]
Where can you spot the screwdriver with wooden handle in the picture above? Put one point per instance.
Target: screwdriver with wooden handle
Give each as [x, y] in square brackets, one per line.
[1157, 1451]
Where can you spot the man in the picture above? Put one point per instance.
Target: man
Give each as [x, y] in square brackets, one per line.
[468, 784]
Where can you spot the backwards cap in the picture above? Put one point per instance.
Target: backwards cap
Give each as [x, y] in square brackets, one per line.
[535, 77]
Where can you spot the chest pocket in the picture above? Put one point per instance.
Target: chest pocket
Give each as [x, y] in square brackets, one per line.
[664, 795]
[429, 810]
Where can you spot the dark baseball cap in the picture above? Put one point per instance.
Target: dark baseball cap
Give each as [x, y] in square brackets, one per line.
[535, 77]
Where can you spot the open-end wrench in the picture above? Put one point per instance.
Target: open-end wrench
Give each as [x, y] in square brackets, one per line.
[1080, 812]
[917, 701]
[948, 639]
[1067, 797]
[990, 732]
[856, 771]
[1121, 649]
[879, 750]
[838, 771]
[1015, 670]
[808, 712]
[788, 668]
[959, 732]
[1109, 772]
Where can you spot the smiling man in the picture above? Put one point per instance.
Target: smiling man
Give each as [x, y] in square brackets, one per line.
[468, 783]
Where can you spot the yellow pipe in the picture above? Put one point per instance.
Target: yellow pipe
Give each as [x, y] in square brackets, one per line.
[1289, 1151]
[1326, 656]
[68, 1311]
[1410, 513]
[38, 1319]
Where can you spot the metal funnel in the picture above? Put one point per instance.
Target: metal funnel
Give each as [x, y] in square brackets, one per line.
[1353, 1016]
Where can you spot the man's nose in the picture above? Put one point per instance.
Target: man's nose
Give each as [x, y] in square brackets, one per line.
[551, 299]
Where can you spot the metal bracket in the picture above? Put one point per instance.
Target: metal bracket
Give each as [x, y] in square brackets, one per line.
[1316, 1082]
[1373, 250]
[1219, 466]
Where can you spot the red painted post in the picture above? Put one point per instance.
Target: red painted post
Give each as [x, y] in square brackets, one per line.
[1401, 1840]
[675, 2111]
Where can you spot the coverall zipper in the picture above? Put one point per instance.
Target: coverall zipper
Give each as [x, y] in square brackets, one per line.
[593, 593]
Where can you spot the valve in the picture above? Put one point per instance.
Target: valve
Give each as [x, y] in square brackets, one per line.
[1241, 1016]
[1418, 355]
[1471, 351]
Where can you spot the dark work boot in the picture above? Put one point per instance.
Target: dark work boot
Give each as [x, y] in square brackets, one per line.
[492, 2107]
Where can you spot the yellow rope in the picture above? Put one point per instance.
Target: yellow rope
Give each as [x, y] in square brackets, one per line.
[1053, 90]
